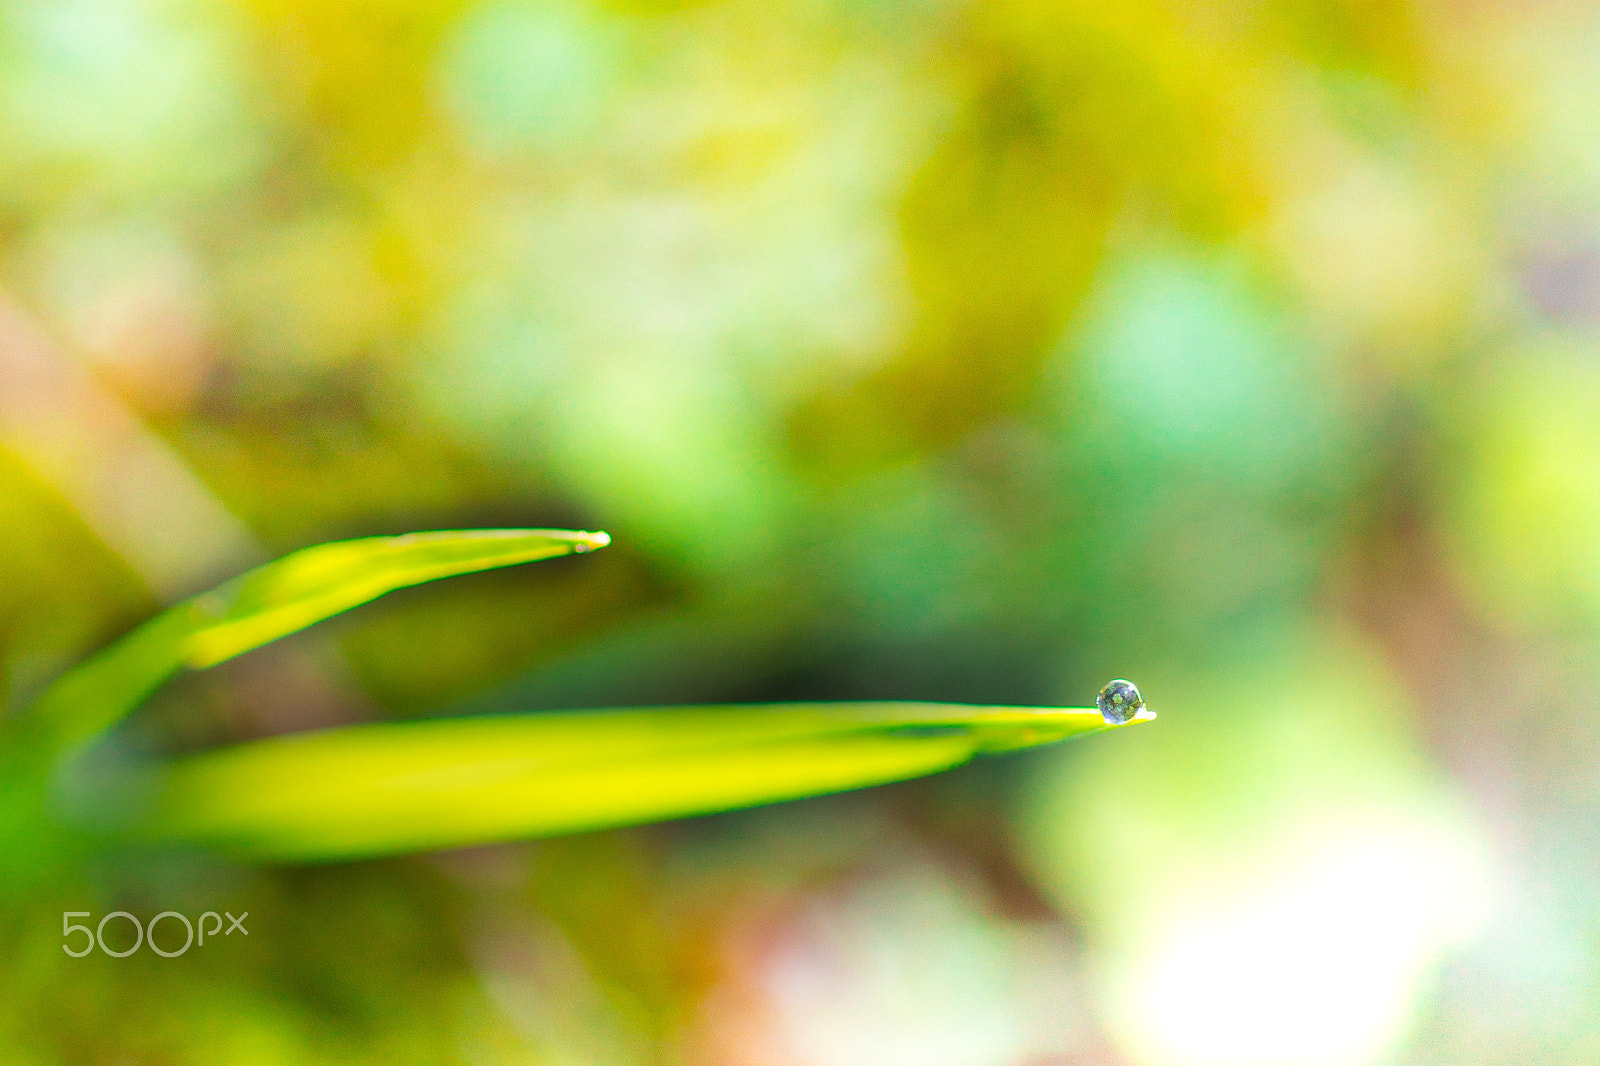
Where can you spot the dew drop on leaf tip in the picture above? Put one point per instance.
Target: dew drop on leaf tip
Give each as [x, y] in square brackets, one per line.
[1120, 703]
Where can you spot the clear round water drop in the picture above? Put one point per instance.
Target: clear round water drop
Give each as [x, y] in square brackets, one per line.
[1119, 701]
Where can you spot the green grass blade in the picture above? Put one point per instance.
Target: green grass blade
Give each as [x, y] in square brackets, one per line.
[271, 602]
[386, 789]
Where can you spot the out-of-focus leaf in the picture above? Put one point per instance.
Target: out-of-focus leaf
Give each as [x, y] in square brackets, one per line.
[271, 602]
[384, 789]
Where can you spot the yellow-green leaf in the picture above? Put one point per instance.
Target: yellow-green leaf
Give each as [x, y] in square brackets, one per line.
[271, 602]
[384, 789]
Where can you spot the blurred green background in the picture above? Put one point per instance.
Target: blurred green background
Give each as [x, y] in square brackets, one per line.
[909, 349]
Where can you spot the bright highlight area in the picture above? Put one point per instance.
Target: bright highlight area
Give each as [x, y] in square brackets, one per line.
[1313, 963]
[1271, 881]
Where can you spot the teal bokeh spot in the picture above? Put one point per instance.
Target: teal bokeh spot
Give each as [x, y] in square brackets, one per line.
[528, 76]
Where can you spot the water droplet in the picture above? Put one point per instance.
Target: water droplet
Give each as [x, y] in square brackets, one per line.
[1119, 701]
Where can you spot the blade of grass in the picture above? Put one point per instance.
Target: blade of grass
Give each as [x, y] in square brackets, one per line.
[267, 603]
[394, 788]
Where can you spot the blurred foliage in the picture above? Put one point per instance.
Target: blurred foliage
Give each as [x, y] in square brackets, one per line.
[911, 350]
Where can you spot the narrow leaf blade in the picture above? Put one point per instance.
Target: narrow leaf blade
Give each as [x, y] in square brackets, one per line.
[308, 586]
[386, 789]
[270, 602]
